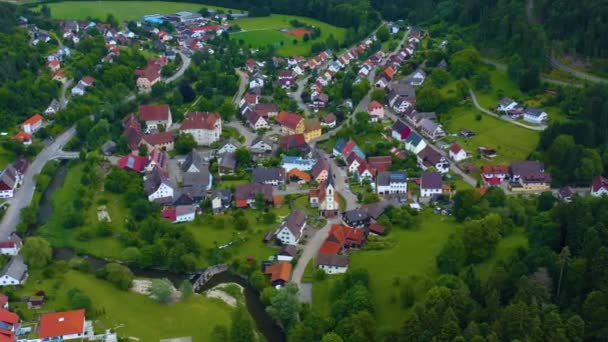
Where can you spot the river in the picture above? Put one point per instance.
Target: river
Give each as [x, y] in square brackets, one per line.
[264, 323]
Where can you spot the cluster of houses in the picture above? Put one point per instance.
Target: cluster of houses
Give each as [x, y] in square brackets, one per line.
[150, 74]
[49, 326]
[28, 128]
[527, 175]
[515, 111]
[396, 60]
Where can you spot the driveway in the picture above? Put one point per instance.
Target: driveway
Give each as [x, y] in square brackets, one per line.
[504, 118]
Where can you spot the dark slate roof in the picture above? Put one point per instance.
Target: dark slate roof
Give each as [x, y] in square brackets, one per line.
[414, 138]
[399, 126]
[16, 268]
[355, 215]
[193, 158]
[294, 221]
[228, 161]
[387, 177]
[332, 260]
[431, 180]
[263, 175]
[533, 112]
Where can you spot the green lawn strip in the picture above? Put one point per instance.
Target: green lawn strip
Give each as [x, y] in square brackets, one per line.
[140, 316]
[501, 87]
[6, 157]
[512, 142]
[248, 243]
[505, 247]
[122, 10]
[59, 236]
[307, 277]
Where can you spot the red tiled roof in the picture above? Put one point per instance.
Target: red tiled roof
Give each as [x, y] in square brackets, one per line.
[495, 169]
[376, 228]
[22, 136]
[241, 203]
[88, 80]
[154, 112]
[54, 63]
[492, 180]
[599, 183]
[299, 174]
[200, 120]
[389, 72]
[289, 120]
[34, 119]
[7, 244]
[330, 247]
[132, 162]
[158, 138]
[348, 148]
[374, 105]
[61, 323]
[279, 271]
[169, 214]
[380, 163]
[8, 317]
[455, 148]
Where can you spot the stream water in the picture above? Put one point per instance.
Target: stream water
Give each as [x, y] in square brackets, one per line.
[264, 323]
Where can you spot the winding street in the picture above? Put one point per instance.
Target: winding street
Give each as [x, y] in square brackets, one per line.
[24, 194]
[503, 117]
[180, 72]
[243, 83]
[297, 95]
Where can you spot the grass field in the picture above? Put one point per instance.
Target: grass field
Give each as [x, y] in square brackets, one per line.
[122, 10]
[263, 31]
[58, 235]
[501, 87]
[137, 315]
[413, 256]
[512, 142]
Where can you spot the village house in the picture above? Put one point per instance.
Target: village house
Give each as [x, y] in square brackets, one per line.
[205, 127]
[14, 272]
[414, 143]
[325, 198]
[261, 145]
[229, 146]
[291, 230]
[329, 120]
[9, 181]
[332, 263]
[379, 163]
[343, 148]
[59, 76]
[401, 96]
[291, 123]
[389, 183]
[312, 129]
[245, 194]
[400, 130]
[494, 174]
[287, 253]
[290, 162]
[566, 193]
[155, 116]
[431, 184]
[320, 170]
[296, 175]
[430, 158]
[226, 164]
[132, 162]
[9, 323]
[158, 186]
[506, 105]
[535, 116]
[273, 176]
[529, 175]
[415, 118]
[267, 110]
[417, 78]
[355, 218]
[295, 142]
[53, 107]
[150, 75]
[256, 121]
[431, 129]
[61, 326]
[181, 213]
[279, 273]
[376, 111]
[457, 153]
[257, 81]
[162, 140]
[54, 65]
[599, 187]
[12, 245]
[221, 200]
[32, 124]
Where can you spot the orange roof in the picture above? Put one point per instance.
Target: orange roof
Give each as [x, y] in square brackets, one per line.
[22, 136]
[299, 174]
[288, 119]
[482, 191]
[389, 72]
[8, 317]
[330, 247]
[34, 119]
[373, 105]
[279, 271]
[241, 203]
[277, 200]
[494, 169]
[61, 323]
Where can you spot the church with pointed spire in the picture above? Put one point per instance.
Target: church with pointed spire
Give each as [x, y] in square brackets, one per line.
[326, 198]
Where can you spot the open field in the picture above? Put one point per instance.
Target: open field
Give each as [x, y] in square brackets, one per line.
[512, 142]
[501, 87]
[126, 310]
[263, 31]
[59, 236]
[122, 10]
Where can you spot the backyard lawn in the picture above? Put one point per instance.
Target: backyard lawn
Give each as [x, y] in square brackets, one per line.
[196, 316]
[512, 142]
[122, 10]
[263, 31]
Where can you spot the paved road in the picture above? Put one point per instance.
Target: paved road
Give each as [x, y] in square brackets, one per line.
[63, 100]
[180, 72]
[504, 117]
[297, 95]
[23, 196]
[577, 73]
[244, 82]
